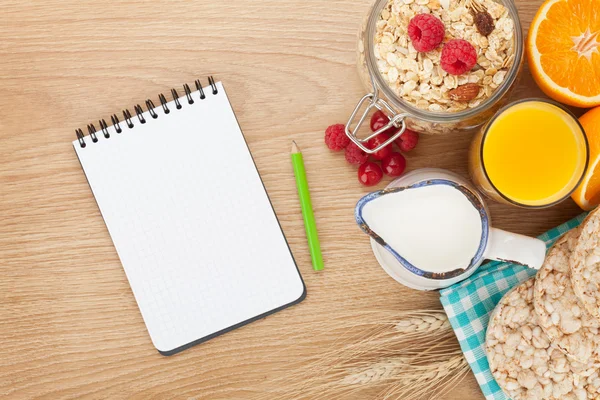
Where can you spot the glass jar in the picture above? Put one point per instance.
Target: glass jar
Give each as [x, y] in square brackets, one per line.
[406, 115]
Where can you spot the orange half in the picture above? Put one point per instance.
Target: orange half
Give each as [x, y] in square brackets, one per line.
[563, 49]
[587, 195]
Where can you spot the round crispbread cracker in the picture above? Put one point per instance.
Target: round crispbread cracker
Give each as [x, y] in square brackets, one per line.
[522, 359]
[560, 312]
[585, 264]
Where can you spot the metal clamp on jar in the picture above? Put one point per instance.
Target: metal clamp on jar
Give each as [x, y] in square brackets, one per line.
[374, 101]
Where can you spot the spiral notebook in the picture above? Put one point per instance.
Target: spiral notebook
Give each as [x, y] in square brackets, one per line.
[189, 217]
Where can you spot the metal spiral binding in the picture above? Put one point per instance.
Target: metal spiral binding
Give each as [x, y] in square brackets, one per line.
[150, 107]
[163, 102]
[79, 134]
[176, 99]
[188, 93]
[127, 116]
[139, 111]
[199, 87]
[211, 81]
[92, 132]
[104, 128]
[115, 122]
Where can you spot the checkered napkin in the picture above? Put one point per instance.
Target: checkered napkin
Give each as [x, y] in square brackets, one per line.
[470, 302]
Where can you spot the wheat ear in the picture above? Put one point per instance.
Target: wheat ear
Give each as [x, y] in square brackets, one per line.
[399, 355]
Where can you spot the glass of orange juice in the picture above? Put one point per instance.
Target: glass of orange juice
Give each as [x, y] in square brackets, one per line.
[532, 153]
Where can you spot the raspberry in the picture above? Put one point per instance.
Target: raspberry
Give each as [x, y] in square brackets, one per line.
[426, 32]
[335, 137]
[408, 140]
[354, 155]
[458, 57]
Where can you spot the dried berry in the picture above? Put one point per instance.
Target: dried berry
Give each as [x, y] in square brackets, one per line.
[484, 22]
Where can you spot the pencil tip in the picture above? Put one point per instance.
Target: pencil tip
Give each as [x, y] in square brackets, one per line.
[295, 148]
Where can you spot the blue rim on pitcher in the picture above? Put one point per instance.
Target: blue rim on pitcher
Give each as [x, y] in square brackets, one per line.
[473, 198]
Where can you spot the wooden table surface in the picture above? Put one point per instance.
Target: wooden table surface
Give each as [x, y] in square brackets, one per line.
[69, 325]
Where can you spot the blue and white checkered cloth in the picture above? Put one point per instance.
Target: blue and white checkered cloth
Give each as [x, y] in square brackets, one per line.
[470, 302]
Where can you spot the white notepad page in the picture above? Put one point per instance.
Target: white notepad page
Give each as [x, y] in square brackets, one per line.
[191, 221]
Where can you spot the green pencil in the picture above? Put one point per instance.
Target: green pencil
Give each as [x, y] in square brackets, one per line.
[307, 211]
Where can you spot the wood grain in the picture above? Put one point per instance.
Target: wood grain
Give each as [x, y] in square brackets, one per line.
[69, 324]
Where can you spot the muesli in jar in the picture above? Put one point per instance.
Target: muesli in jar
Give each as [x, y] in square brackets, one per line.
[420, 77]
[438, 66]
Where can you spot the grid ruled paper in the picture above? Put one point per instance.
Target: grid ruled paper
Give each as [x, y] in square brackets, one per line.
[197, 236]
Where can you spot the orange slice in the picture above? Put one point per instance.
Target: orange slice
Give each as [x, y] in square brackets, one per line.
[587, 195]
[563, 49]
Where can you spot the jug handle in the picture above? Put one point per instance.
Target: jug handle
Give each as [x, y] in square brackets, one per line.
[514, 248]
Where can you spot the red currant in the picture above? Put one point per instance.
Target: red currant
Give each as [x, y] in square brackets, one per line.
[378, 141]
[369, 173]
[394, 164]
[379, 120]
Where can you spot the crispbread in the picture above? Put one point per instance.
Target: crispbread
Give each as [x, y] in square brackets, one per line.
[524, 362]
[585, 264]
[560, 312]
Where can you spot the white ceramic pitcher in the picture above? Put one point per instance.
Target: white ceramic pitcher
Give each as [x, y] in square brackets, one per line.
[495, 244]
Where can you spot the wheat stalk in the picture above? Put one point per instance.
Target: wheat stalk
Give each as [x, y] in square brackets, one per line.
[404, 355]
[423, 323]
